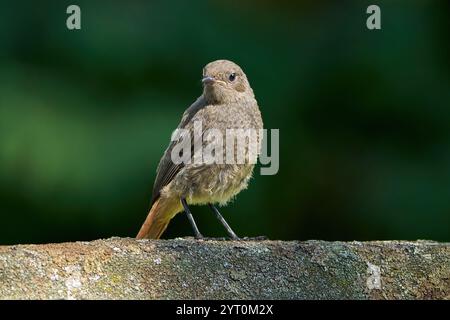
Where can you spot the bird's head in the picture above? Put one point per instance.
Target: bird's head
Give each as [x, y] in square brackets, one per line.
[224, 81]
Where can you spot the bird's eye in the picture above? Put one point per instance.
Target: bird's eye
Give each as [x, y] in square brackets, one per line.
[232, 76]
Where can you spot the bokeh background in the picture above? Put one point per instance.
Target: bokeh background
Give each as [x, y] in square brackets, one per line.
[364, 116]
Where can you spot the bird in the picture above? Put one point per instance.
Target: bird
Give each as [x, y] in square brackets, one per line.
[227, 102]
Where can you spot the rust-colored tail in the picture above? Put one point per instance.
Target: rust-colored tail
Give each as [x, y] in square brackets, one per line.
[162, 211]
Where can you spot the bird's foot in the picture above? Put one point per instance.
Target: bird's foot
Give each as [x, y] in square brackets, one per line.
[220, 239]
[213, 239]
[199, 236]
[258, 238]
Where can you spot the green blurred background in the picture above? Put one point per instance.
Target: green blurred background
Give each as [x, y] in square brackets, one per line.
[364, 116]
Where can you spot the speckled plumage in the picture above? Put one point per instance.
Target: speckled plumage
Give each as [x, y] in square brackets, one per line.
[223, 105]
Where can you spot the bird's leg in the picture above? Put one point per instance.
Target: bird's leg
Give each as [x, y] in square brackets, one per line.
[197, 233]
[224, 223]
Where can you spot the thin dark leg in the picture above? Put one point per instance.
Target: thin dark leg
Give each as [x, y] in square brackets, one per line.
[197, 233]
[224, 223]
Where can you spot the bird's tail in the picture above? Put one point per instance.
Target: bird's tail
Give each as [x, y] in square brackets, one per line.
[162, 211]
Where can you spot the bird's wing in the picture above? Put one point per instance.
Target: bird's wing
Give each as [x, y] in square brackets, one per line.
[167, 170]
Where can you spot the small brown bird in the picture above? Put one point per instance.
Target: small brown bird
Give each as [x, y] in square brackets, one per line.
[227, 103]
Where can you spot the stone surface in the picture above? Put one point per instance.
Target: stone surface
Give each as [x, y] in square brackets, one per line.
[121, 268]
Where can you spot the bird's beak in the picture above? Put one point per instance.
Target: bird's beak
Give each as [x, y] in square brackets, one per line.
[208, 80]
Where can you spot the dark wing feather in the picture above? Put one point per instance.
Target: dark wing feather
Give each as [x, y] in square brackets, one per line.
[167, 170]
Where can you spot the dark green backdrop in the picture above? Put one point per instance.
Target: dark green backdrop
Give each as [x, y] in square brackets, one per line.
[364, 116]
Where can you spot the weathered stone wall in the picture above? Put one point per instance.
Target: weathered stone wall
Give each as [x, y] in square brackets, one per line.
[189, 269]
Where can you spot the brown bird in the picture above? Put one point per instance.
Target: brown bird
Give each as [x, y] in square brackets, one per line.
[227, 103]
